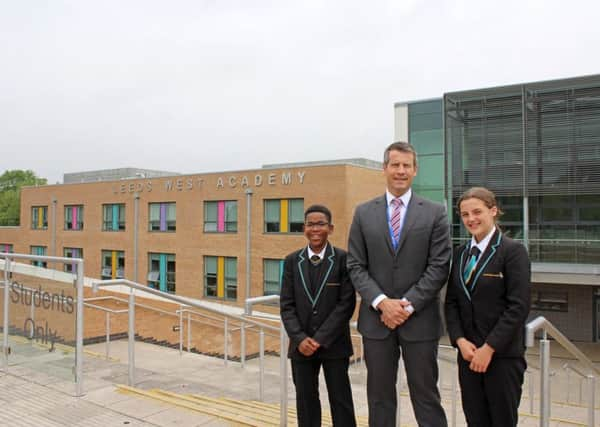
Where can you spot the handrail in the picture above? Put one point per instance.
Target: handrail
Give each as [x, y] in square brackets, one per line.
[178, 299]
[542, 323]
[258, 300]
[547, 327]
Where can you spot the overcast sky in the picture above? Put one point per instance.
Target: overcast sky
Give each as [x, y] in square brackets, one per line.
[215, 85]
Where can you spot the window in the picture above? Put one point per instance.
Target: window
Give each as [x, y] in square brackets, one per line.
[272, 272]
[220, 217]
[6, 248]
[39, 217]
[284, 215]
[74, 217]
[113, 265]
[220, 277]
[161, 272]
[113, 217]
[550, 300]
[72, 253]
[39, 250]
[162, 217]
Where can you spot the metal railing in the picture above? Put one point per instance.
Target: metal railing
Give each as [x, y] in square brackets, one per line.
[78, 262]
[547, 328]
[133, 286]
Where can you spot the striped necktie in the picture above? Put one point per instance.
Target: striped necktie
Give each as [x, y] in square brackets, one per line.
[471, 264]
[395, 219]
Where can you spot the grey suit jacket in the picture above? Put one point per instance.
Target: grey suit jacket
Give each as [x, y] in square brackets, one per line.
[416, 270]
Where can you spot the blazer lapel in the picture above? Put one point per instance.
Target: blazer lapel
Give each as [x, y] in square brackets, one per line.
[328, 259]
[382, 218]
[461, 263]
[304, 275]
[486, 257]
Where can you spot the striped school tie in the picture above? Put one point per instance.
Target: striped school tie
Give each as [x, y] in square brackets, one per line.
[471, 263]
[395, 219]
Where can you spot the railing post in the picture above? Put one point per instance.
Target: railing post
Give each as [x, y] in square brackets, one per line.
[283, 403]
[261, 350]
[5, 320]
[131, 338]
[189, 332]
[544, 381]
[79, 330]
[591, 400]
[243, 345]
[180, 331]
[107, 346]
[225, 341]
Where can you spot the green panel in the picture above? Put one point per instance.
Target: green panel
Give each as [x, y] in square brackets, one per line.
[296, 210]
[210, 212]
[435, 195]
[424, 122]
[430, 172]
[428, 141]
[210, 264]
[425, 107]
[271, 210]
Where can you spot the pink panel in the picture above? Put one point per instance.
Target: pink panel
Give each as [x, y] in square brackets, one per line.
[74, 223]
[221, 216]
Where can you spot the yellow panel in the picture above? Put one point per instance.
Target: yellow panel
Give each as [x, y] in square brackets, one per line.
[40, 217]
[220, 277]
[283, 218]
[114, 265]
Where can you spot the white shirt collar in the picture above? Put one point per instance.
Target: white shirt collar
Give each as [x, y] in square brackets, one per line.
[482, 246]
[320, 254]
[405, 197]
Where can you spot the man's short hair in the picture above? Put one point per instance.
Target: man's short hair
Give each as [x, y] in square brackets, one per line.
[401, 146]
[318, 208]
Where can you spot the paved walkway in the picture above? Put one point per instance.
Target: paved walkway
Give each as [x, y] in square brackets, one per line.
[32, 395]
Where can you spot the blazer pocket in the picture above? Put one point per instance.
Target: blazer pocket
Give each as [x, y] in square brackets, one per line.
[497, 275]
[332, 284]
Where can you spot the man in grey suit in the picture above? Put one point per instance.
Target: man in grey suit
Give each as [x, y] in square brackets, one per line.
[398, 259]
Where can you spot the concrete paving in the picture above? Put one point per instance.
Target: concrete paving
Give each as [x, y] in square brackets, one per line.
[37, 394]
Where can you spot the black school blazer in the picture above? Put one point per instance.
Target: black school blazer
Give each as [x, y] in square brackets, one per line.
[324, 316]
[494, 306]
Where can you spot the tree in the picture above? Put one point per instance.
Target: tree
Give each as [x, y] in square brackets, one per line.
[11, 182]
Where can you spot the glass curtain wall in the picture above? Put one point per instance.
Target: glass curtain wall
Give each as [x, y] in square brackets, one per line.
[537, 146]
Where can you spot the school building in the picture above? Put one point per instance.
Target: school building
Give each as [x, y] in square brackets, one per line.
[216, 236]
[537, 146]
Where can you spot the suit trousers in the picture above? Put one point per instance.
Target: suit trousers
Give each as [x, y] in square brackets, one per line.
[420, 362]
[491, 399]
[305, 374]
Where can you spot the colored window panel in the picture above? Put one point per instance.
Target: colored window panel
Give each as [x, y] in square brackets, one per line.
[162, 217]
[74, 217]
[161, 272]
[272, 273]
[113, 265]
[72, 253]
[39, 250]
[220, 277]
[113, 217]
[39, 217]
[220, 216]
[284, 216]
[6, 248]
